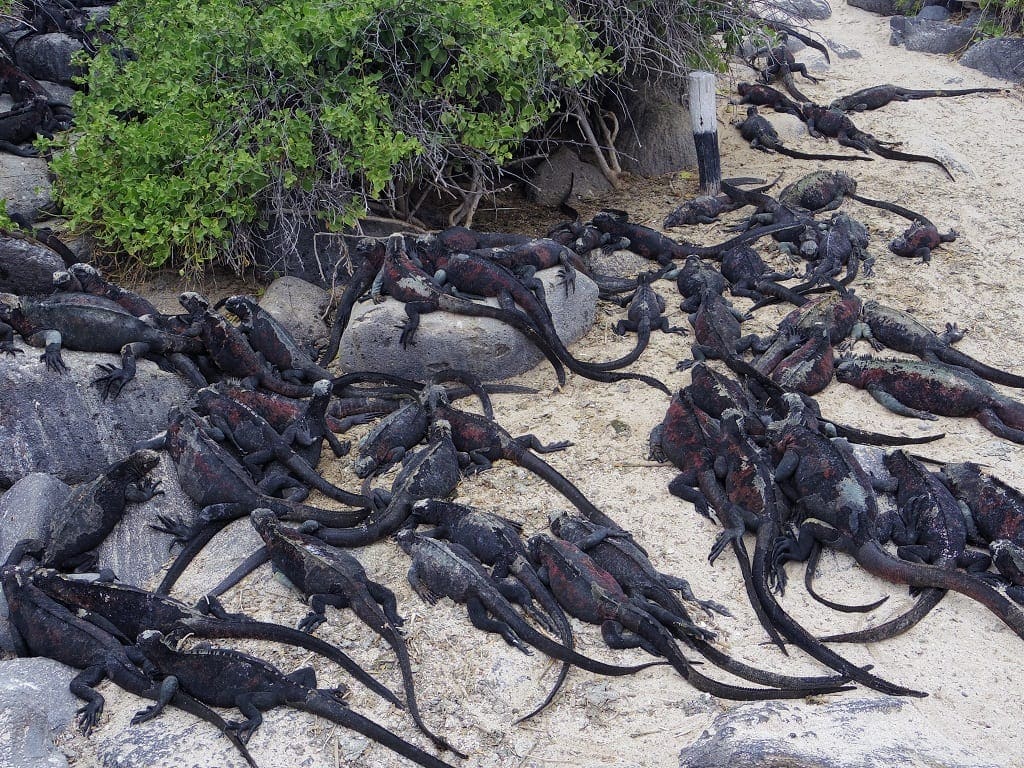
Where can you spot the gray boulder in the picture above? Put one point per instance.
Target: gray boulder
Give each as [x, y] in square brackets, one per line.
[881, 7]
[488, 348]
[934, 13]
[551, 181]
[35, 704]
[928, 36]
[58, 423]
[1001, 57]
[656, 134]
[807, 9]
[26, 265]
[299, 306]
[25, 185]
[48, 57]
[25, 512]
[843, 734]
[621, 263]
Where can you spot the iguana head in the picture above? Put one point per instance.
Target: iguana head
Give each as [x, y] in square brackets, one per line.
[193, 302]
[241, 307]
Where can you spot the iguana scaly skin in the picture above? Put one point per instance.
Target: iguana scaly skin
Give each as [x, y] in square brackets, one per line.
[902, 332]
[762, 135]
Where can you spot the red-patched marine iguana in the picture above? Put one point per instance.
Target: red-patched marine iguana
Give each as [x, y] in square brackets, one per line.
[902, 332]
[222, 677]
[641, 581]
[837, 508]
[481, 277]
[877, 96]
[994, 515]
[929, 528]
[440, 569]
[925, 390]
[593, 595]
[431, 472]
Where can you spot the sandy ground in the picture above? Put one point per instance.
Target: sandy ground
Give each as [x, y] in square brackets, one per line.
[473, 686]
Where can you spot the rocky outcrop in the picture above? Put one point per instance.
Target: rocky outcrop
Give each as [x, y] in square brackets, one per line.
[853, 733]
[1001, 57]
[919, 34]
[35, 703]
[488, 348]
[58, 424]
[555, 174]
[881, 7]
[656, 135]
[299, 306]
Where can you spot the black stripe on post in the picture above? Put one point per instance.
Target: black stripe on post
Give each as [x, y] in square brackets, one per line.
[705, 131]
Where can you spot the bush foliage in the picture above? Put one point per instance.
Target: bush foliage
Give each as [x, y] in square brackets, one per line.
[229, 112]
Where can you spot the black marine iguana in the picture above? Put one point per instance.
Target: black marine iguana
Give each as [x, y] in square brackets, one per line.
[877, 96]
[763, 136]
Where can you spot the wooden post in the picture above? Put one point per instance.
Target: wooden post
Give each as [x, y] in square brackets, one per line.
[703, 116]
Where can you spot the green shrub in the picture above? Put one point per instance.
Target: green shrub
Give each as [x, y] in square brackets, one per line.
[228, 113]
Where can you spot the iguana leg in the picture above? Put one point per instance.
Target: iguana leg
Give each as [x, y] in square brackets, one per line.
[994, 424]
[531, 442]
[479, 618]
[253, 717]
[385, 598]
[114, 378]
[168, 687]
[82, 686]
[318, 609]
[899, 408]
[616, 637]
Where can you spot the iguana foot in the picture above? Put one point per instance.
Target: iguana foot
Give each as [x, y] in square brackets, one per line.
[89, 715]
[53, 360]
[7, 348]
[111, 384]
[143, 490]
[181, 531]
[311, 622]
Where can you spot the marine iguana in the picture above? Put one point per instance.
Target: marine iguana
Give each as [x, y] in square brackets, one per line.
[763, 136]
[822, 121]
[923, 390]
[717, 332]
[485, 441]
[929, 528]
[485, 278]
[643, 316]
[226, 678]
[780, 63]
[431, 472]
[368, 254]
[128, 610]
[760, 95]
[51, 323]
[591, 594]
[877, 96]
[837, 507]
[440, 569]
[271, 339]
[404, 279]
[284, 459]
[84, 521]
[41, 626]
[901, 331]
[23, 122]
[330, 576]
[495, 541]
[641, 581]
[994, 515]
[218, 483]
[707, 208]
